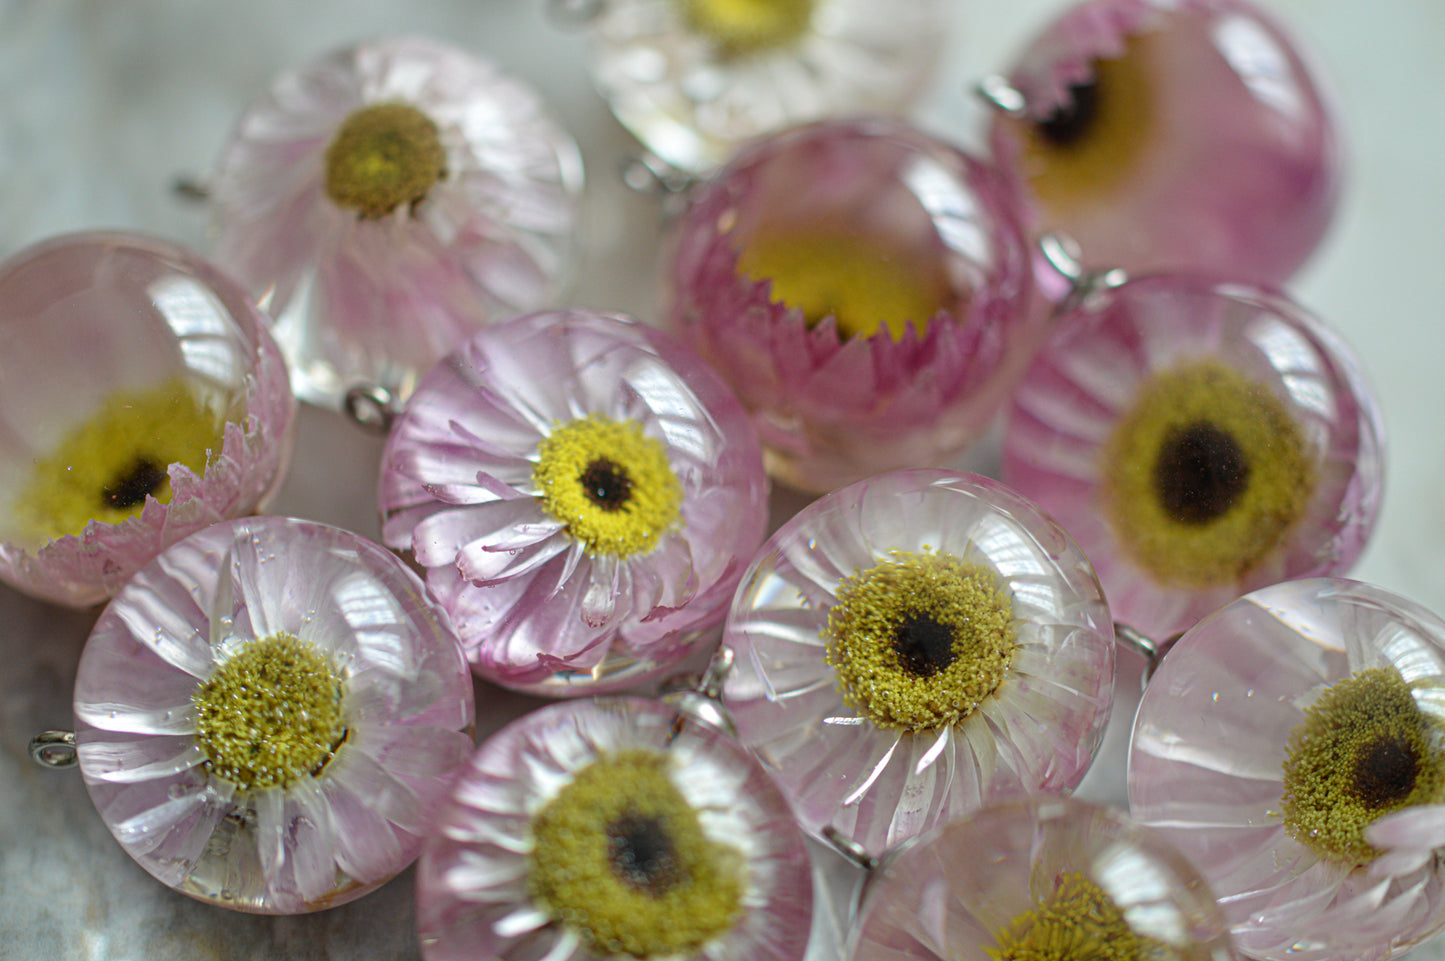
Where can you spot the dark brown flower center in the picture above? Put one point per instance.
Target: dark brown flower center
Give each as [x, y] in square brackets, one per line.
[130, 487]
[641, 853]
[1385, 771]
[1069, 121]
[607, 484]
[1201, 473]
[923, 643]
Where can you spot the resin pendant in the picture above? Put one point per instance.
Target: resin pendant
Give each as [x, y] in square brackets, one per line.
[1291, 746]
[1043, 879]
[1199, 440]
[141, 399]
[583, 494]
[1173, 136]
[865, 290]
[386, 201]
[614, 828]
[270, 713]
[695, 79]
[914, 646]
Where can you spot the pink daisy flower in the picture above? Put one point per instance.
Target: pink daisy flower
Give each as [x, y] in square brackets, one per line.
[1199, 440]
[385, 201]
[270, 713]
[616, 827]
[583, 493]
[141, 399]
[1290, 745]
[864, 288]
[914, 646]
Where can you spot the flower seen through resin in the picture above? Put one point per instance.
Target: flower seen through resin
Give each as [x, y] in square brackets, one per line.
[739, 27]
[105, 468]
[918, 641]
[1365, 749]
[620, 856]
[270, 715]
[861, 281]
[382, 157]
[1078, 921]
[1204, 476]
[609, 483]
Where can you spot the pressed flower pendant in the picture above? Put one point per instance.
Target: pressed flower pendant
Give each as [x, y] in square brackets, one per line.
[583, 493]
[1043, 879]
[1292, 745]
[269, 714]
[1199, 440]
[1173, 136]
[141, 399]
[913, 646]
[865, 290]
[608, 828]
[386, 201]
[695, 79]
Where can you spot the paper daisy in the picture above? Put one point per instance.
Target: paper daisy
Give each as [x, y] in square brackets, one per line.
[1173, 135]
[614, 828]
[1199, 440]
[387, 200]
[1042, 879]
[864, 288]
[141, 399]
[694, 79]
[583, 493]
[1292, 745]
[269, 714]
[914, 646]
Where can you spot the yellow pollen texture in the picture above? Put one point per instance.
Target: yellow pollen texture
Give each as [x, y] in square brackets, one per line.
[862, 282]
[1079, 921]
[270, 715]
[1364, 749]
[383, 157]
[609, 483]
[104, 469]
[918, 641]
[1255, 521]
[739, 27]
[665, 889]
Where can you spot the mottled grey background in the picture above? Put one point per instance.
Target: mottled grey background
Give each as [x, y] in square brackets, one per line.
[103, 103]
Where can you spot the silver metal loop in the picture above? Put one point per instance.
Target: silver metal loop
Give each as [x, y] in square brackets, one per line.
[1063, 254]
[650, 175]
[699, 697]
[996, 91]
[574, 13]
[1150, 650]
[54, 749]
[191, 189]
[371, 408]
[849, 848]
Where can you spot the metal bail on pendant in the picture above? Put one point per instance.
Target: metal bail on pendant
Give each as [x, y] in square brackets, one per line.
[371, 407]
[996, 91]
[54, 749]
[699, 698]
[1062, 253]
[1147, 648]
[849, 848]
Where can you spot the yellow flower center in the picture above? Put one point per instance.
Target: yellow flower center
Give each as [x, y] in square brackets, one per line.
[106, 468]
[918, 642]
[270, 715]
[1204, 476]
[1092, 143]
[609, 483]
[620, 856]
[739, 27]
[1364, 749]
[863, 282]
[383, 157]
[1079, 921]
